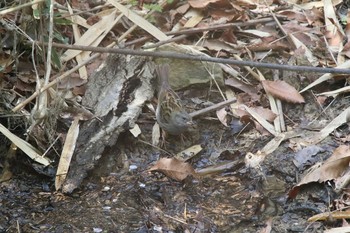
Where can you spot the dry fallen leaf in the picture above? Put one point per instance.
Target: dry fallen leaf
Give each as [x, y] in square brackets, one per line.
[265, 113]
[173, 168]
[283, 91]
[222, 116]
[201, 3]
[332, 168]
[249, 89]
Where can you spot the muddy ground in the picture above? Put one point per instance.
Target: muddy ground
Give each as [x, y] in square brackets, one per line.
[121, 196]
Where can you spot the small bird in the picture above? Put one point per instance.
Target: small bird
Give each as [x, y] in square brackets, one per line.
[170, 114]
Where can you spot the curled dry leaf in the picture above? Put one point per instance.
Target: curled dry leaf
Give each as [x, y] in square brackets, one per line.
[331, 169]
[283, 91]
[173, 168]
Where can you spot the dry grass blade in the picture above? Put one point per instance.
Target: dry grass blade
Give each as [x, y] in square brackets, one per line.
[334, 124]
[261, 120]
[77, 35]
[31, 151]
[12, 9]
[325, 77]
[141, 22]
[335, 92]
[67, 153]
[91, 35]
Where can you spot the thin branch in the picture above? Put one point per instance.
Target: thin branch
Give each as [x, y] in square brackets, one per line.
[213, 107]
[49, 47]
[201, 58]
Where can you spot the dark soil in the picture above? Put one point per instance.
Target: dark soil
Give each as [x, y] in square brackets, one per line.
[121, 196]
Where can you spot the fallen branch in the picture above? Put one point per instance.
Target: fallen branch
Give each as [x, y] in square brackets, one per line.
[200, 58]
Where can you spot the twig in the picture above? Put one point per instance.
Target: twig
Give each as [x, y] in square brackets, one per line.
[212, 108]
[156, 147]
[49, 48]
[201, 58]
[279, 121]
[174, 39]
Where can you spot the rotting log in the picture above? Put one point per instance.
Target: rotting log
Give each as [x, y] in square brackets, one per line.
[116, 93]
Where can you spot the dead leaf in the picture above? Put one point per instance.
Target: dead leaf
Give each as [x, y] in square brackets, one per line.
[282, 90]
[202, 3]
[222, 116]
[332, 168]
[265, 113]
[173, 168]
[249, 89]
[335, 32]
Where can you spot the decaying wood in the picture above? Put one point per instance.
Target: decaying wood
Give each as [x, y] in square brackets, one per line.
[116, 94]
